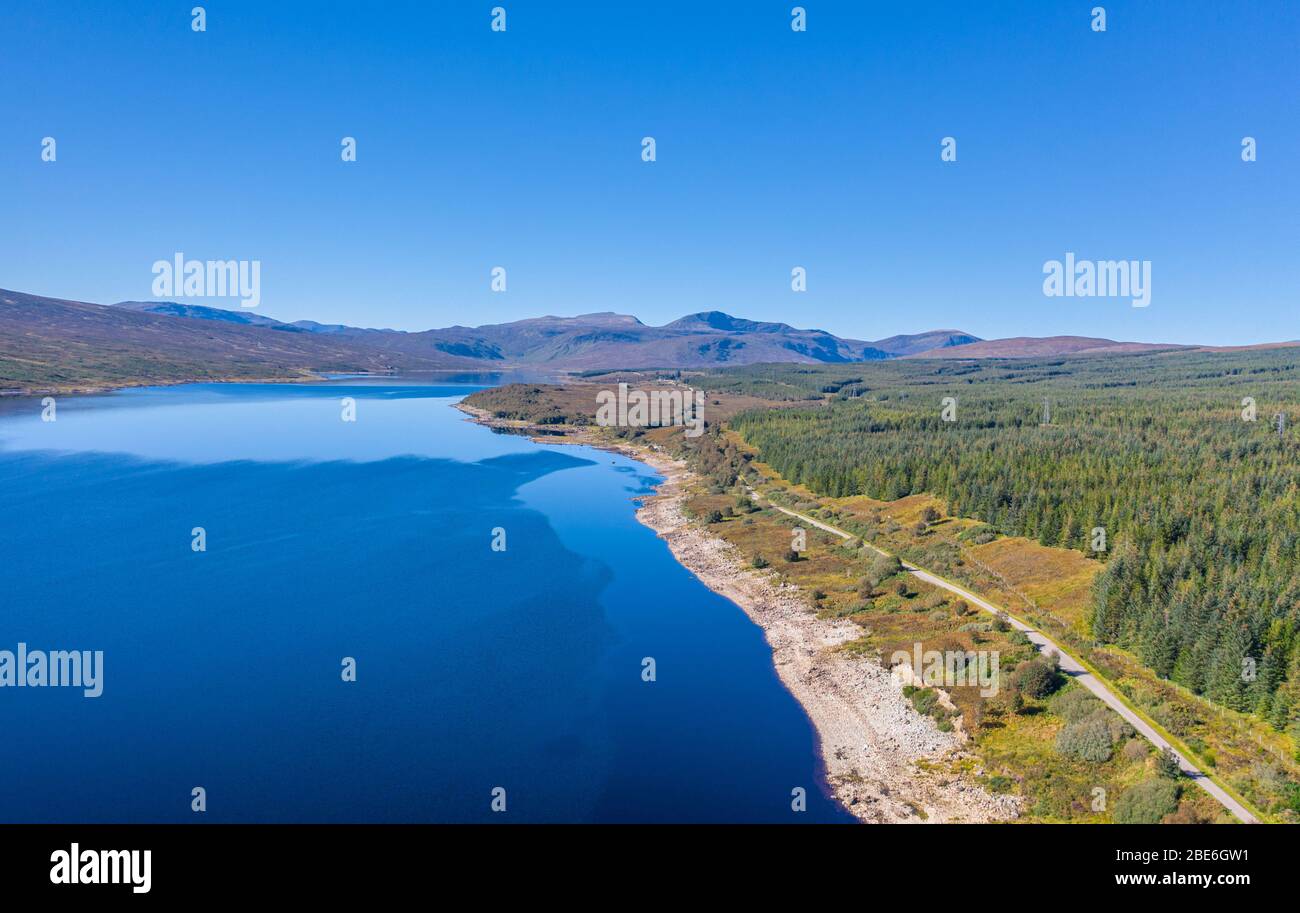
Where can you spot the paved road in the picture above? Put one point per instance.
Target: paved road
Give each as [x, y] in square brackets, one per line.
[1069, 665]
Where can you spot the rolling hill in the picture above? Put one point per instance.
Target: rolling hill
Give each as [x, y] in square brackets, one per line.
[57, 344]
[51, 344]
[1041, 346]
[606, 340]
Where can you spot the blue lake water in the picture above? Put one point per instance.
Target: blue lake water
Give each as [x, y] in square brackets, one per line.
[369, 539]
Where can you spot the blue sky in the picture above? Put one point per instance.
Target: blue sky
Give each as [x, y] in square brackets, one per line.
[775, 149]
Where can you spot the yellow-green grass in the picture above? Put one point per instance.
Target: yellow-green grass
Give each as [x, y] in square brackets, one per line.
[1013, 573]
[1005, 576]
[1212, 764]
[1057, 581]
[1207, 768]
[1004, 743]
[1022, 748]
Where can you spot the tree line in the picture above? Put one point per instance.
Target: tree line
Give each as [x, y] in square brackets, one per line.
[1175, 458]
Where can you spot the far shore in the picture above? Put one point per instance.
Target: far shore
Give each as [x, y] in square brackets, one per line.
[882, 759]
[136, 383]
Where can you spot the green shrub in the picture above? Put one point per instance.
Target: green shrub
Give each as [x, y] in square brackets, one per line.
[1177, 718]
[1000, 784]
[1073, 704]
[1147, 802]
[924, 699]
[1037, 678]
[1119, 727]
[758, 561]
[882, 568]
[1167, 765]
[934, 599]
[1086, 740]
[978, 534]
[1136, 750]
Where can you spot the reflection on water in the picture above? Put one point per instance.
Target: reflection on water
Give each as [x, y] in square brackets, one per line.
[372, 540]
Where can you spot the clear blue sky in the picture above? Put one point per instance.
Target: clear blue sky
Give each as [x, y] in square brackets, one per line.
[775, 149]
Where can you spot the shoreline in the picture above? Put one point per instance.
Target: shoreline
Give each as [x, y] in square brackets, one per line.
[869, 737]
[138, 383]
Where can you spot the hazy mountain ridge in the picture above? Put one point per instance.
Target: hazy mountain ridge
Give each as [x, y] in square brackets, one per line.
[57, 344]
[51, 343]
[606, 340]
[1039, 346]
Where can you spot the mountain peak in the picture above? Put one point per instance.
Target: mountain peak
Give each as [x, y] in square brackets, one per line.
[596, 319]
[723, 322]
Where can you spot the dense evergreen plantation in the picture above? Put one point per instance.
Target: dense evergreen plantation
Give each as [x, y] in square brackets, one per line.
[1200, 506]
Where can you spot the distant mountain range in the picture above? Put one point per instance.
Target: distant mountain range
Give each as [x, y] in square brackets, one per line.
[1044, 346]
[602, 340]
[51, 343]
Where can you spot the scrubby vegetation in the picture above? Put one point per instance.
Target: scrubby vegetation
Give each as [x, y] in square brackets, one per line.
[1147, 803]
[1092, 731]
[1037, 678]
[1200, 509]
[1014, 733]
[540, 405]
[1018, 735]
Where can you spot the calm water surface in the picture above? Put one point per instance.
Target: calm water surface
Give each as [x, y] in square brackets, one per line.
[327, 539]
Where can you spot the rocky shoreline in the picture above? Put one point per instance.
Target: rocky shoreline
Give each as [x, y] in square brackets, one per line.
[870, 737]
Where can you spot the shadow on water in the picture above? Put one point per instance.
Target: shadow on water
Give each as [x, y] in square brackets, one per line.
[225, 663]
[475, 668]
